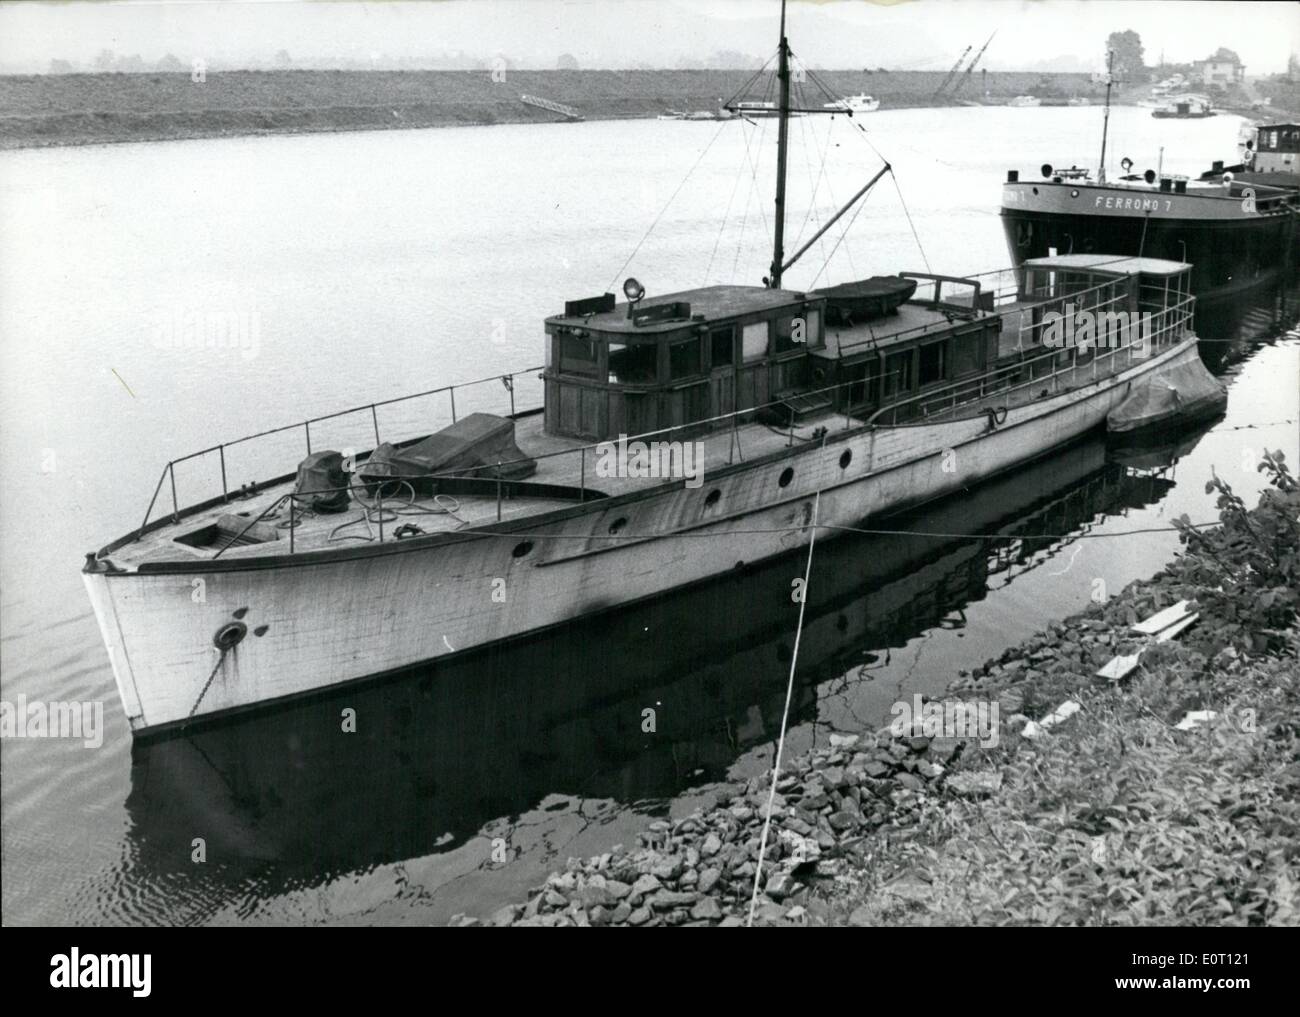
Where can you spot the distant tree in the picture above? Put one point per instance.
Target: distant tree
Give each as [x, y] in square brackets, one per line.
[1293, 67]
[283, 59]
[1127, 47]
[105, 60]
[132, 64]
[60, 67]
[171, 63]
[1225, 55]
[566, 62]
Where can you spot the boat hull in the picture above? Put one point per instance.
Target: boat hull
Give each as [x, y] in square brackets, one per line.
[1231, 252]
[316, 621]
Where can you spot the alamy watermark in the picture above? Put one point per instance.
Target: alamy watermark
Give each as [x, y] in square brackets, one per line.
[654, 460]
[234, 330]
[39, 719]
[1108, 330]
[948, 718]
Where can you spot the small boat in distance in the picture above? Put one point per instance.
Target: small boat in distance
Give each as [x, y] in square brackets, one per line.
[1185, 107]
[855, 104]
[1022, 101]
[1079, 100]
[756, 108]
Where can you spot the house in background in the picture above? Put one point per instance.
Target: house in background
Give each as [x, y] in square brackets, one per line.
[1219, 72]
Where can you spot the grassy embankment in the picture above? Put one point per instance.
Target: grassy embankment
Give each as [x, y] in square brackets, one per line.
[37, 110]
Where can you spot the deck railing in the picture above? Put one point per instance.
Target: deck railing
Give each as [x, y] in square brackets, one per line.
[371, 409]
[1168, 327]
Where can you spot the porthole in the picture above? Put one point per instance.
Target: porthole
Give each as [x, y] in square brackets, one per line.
[229, 635]
[712, 497]
[846, 457]
[522, 548]
[617, 525]
[787, 475]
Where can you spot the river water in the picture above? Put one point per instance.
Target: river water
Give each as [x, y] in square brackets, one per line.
[345, 269]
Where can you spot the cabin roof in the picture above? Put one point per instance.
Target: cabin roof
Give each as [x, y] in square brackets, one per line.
[912, 321]
[1111, 264]
[713, 302]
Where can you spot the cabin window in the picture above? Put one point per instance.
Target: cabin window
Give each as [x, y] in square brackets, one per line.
[784, 340]
[813, 333]
[898, 373]
[754, 341]
[933, 363]
[577, 356]
[632, 363]
[684, 359]
[723, 347]
[864, 380]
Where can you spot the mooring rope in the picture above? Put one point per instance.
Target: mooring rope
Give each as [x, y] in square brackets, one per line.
[785, 712]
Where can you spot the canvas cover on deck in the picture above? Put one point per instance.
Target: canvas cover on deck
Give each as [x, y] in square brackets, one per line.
[471, 447]
[322, 482]
[1186, 392]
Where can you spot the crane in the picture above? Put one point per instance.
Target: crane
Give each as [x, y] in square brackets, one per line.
[971, 66]
[951, 74]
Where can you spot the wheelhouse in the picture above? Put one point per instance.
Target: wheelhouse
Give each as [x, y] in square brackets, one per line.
[631, 368]
[1277, 148]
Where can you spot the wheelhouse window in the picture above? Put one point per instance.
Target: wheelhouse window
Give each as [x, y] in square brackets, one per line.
[754, 341]
[785, 327]
[722, 343]
[633, 363]
[933, 363]
[684, 359]
[577, 355]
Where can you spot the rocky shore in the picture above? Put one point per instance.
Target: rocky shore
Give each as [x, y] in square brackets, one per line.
[859, 826]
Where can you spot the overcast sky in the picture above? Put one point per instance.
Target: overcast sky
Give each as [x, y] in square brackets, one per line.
[920, 34]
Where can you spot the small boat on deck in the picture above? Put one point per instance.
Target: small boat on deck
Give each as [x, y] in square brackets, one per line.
[867, 298]
[649, 463]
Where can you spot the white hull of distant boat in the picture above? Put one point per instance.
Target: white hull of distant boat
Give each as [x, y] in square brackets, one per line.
[854, 104]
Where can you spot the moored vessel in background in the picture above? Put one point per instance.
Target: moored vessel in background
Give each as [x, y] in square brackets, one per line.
[1236, 225]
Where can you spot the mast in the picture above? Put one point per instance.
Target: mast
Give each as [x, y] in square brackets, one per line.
[782, 135]
[1105, 120]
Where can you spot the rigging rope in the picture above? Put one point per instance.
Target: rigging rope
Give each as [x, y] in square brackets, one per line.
[671, 198]
[785, 713]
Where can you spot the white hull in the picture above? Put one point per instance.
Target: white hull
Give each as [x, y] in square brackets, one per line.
[386, 607]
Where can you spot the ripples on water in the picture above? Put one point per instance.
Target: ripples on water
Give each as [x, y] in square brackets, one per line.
[382, 263]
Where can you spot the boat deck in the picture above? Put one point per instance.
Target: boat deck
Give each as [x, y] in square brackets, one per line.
[559, 462]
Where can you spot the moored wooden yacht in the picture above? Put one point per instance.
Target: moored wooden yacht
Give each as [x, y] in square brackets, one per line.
[679, 437]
